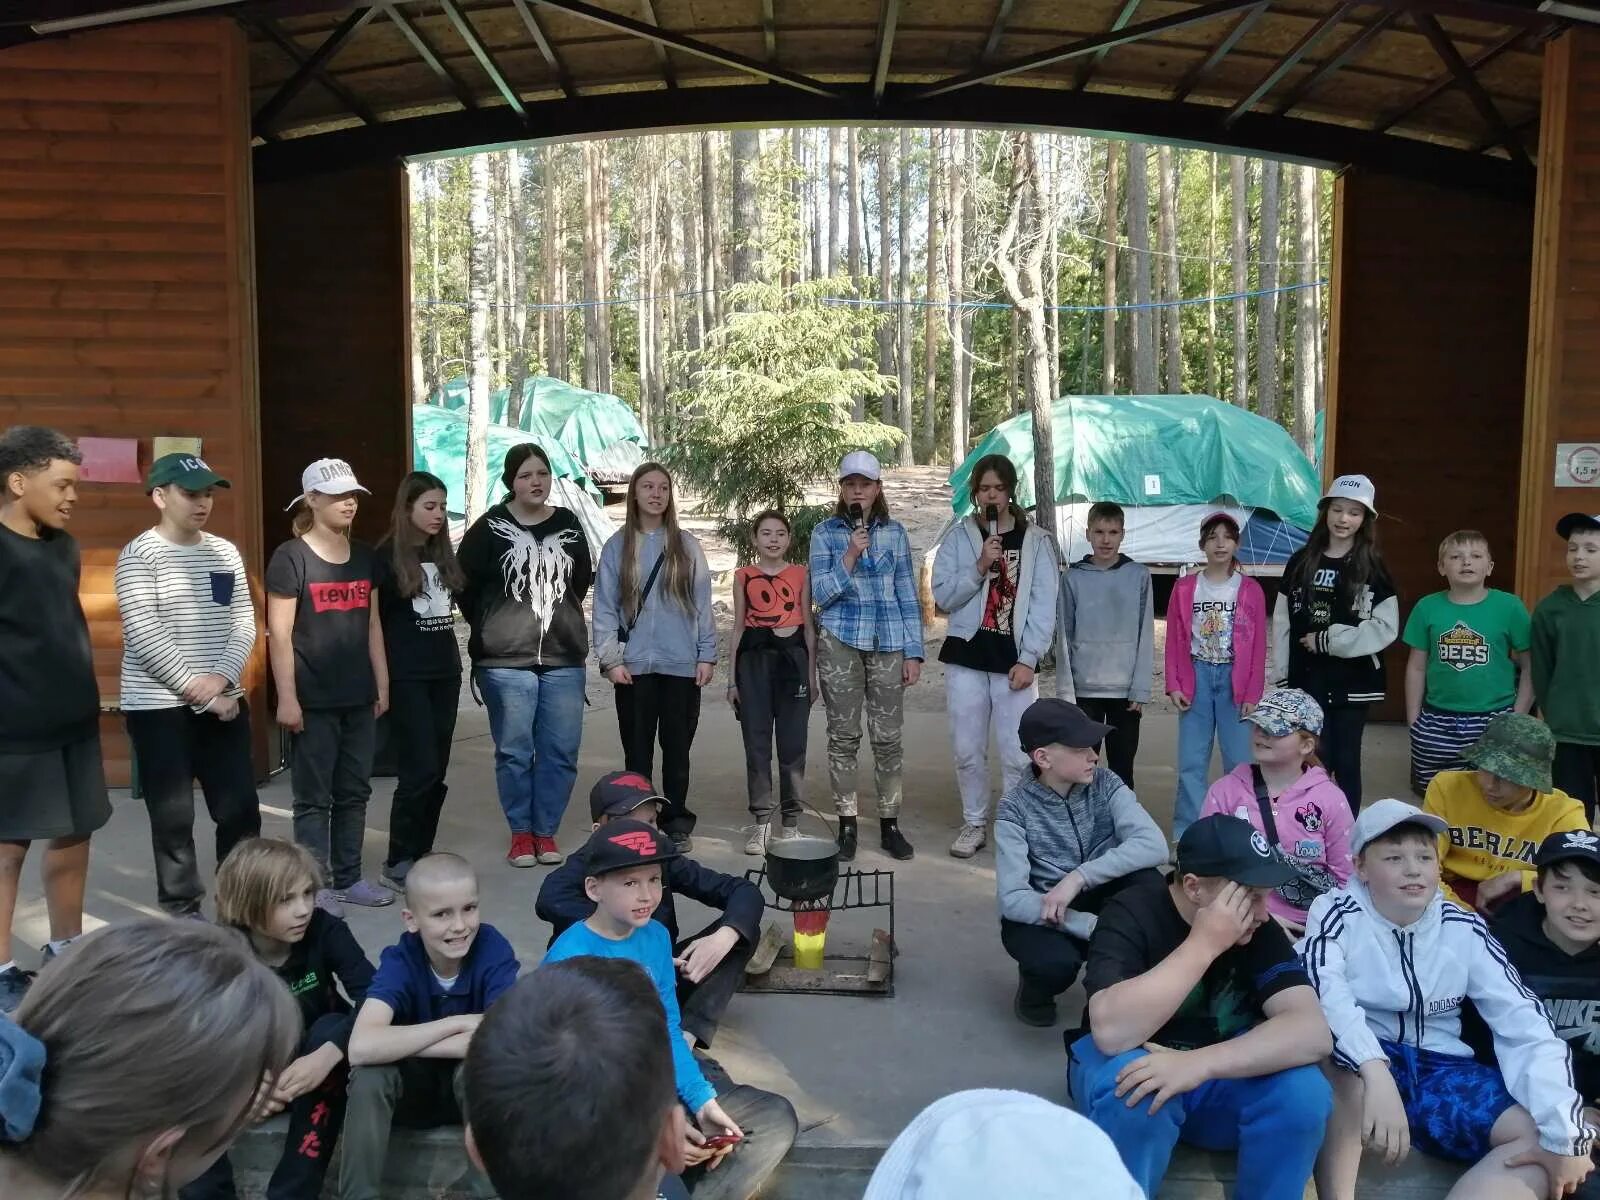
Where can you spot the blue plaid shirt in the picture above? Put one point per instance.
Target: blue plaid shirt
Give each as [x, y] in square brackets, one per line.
[875, 606]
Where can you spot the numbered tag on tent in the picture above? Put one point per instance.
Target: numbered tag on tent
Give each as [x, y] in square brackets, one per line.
[1152, 485]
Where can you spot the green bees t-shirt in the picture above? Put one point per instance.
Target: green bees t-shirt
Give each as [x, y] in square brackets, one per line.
[1469, 649]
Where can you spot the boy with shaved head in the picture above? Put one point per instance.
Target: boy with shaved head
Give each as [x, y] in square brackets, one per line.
[410, 1037]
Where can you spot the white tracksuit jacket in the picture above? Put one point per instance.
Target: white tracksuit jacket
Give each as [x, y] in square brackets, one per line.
[1407, 983]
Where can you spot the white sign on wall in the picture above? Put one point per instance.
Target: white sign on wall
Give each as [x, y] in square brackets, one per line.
[1577, 464]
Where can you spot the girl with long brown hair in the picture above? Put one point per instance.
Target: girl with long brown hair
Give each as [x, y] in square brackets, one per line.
[654, 637]
[325, 642]
[1337, 611]
[136, 1060]
[417, 575]
[528, 569]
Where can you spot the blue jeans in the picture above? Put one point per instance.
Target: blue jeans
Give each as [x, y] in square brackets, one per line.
[1213, 712]
[536, 718]
[1275, 1122]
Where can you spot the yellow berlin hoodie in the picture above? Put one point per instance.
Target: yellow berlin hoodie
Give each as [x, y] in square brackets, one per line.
[1484, 842]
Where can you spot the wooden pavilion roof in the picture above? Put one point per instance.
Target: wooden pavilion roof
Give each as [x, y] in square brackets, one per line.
[1448, 89]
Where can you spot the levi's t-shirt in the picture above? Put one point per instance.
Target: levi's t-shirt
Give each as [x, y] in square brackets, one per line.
[332, 668]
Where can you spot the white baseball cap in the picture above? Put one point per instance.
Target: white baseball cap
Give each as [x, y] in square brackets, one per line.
[860, 462]
[330, 476]
[1380, 817]
[1354, 487]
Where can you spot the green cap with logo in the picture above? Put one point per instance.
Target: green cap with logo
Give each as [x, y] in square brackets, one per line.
[1517, 747]
[188, 471]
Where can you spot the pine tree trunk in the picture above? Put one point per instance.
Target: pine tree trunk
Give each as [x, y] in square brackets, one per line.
[435, 367]
[931, 315]
[853, 200]
[497, 247]
[1307, 323]
[517, 278]
[1144, 342]
[955, 318]
[710, 248]
[969, 219]
[834, 188]
[1014, 384]
[603, 234]
[1239, 203]
[480, 278]
[903, 409]
[1050, 167]
[746, 234]
[1113, 233]
[1313, 274]
[1212, 380]
[694, 258]
[1172, 287]
[886, 328]
[1267, 362]
[1019, 256]
[593, 254]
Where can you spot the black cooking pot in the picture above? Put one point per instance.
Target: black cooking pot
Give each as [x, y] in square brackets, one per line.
[802, 869]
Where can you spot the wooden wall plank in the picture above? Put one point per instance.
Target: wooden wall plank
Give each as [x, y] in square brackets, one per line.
[1397, 365]
[126, 278]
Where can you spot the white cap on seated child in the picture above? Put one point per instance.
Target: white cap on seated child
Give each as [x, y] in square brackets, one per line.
[1004, 1144]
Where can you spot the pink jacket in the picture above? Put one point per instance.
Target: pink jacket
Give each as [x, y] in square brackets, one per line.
[1250, 633]
[1313, 820]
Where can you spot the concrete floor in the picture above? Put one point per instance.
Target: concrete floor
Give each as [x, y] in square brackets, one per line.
[857, 1069]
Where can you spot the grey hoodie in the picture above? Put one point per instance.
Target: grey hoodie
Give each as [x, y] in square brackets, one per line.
[1108, 622]
[1098, 829]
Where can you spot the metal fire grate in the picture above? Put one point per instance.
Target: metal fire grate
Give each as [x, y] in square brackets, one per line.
[870, 974]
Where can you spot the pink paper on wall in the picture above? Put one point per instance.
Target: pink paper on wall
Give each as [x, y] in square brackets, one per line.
[110, 460]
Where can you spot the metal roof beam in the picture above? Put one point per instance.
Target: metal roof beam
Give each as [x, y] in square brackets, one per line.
[662, 57]
[1118, 22]
[997, 29]
[536, 30]
[1448, 80]
[1288, 62]
[888, 18]
[688, 45]
[310, 68]
[1235, 34]
[469, 35]
[1336, 62]
[1108, 41]
[1476, 92]
[429, 54]
[274, 33]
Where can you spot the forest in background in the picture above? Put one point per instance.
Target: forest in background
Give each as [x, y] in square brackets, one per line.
[974, 273]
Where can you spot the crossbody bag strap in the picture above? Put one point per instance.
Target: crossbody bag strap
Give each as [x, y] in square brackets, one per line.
[1264, 803]
[650, 582]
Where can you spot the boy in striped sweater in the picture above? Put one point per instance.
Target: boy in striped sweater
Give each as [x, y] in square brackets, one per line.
[188, 627]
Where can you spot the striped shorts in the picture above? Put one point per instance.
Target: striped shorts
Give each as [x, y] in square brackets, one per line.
[1438, 740]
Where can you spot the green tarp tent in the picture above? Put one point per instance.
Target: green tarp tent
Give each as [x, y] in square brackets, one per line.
[439, 445]
[598, 430]
[1157, 450]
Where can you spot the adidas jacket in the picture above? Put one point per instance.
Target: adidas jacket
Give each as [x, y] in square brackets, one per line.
[1407, 984]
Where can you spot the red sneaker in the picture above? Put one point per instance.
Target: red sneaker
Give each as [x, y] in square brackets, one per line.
[523, 852]
[546, 850]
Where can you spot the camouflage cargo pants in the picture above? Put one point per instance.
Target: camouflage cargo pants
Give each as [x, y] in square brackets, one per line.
[856, 681]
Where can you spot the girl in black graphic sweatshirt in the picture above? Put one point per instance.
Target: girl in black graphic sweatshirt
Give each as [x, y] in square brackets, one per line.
[528, 568]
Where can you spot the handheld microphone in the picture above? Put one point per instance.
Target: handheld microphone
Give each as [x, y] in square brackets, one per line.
[991, 514]
[857, 517]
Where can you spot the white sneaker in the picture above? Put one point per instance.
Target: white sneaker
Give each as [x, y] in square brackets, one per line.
[757, 844]
[968, 842]
[786, 833]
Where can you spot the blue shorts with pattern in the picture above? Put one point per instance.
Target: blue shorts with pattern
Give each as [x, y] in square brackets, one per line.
[1451, 1102]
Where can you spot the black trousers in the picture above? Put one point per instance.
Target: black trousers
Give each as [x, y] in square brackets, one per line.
[664, 707]
[772, 701]
[175, 747]
[1340, 747]
[1575, 772]
[314, 1122]
[1122, 743]
[1049, 959]
[330, 770]
[422, 724]
[701, 1005]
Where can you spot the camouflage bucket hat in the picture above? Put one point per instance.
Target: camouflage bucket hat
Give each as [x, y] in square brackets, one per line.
[1283, 711]
[1516, 747]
